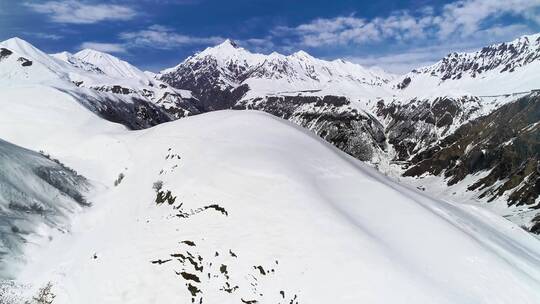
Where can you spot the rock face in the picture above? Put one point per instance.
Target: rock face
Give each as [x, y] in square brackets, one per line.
[419, 123]
[356, 132]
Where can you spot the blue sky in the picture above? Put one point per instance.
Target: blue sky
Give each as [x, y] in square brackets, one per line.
[155, 34]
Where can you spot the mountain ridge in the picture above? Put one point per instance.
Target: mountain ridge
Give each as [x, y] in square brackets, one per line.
[369, 117]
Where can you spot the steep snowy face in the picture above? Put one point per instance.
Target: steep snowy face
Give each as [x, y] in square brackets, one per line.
[302, 72]
[230, 72]
[21, 63]
[37, 195]
[497, 69]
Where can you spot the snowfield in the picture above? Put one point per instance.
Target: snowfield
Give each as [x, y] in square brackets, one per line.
[242, 207]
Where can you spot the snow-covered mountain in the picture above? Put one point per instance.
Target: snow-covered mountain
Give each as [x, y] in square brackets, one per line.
[137, 102]
[240, 206]
[222, 75]
[498, 69]
[111, 65]
[373, 116]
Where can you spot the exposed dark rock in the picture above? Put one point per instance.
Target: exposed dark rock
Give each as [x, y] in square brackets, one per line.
[4, 53]
[418, 124]
[135, 114]
[24, 62]
[189, 276]
[405, 83]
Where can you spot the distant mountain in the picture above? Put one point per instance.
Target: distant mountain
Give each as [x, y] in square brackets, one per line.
[111, 65]
[496, 69]
[98, 81]
[222, 75]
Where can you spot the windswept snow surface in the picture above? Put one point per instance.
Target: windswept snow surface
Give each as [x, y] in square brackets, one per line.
[37, 194]
[264, 211]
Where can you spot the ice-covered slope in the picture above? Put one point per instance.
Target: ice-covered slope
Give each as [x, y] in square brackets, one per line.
[239, 206]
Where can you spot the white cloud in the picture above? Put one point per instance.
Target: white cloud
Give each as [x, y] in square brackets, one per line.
[161, 37]
[104, 47]
[463, 18]
[259, 45]
[77, 12]
[44, 35]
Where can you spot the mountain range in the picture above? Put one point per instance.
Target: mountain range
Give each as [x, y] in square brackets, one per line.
[177, 170]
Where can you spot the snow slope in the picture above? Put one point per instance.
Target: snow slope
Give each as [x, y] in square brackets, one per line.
[258, 210]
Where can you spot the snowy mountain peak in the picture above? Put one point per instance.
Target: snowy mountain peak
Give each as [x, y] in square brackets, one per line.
[227, 52]
[29, 51]
[110, 64]
[302, 55]
[64, 56]
[227, 68]
[228, 43]
[19, 45]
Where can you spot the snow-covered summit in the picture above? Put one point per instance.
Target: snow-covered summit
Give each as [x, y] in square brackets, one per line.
[24, 48]
[110, 65]
[227, 67]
